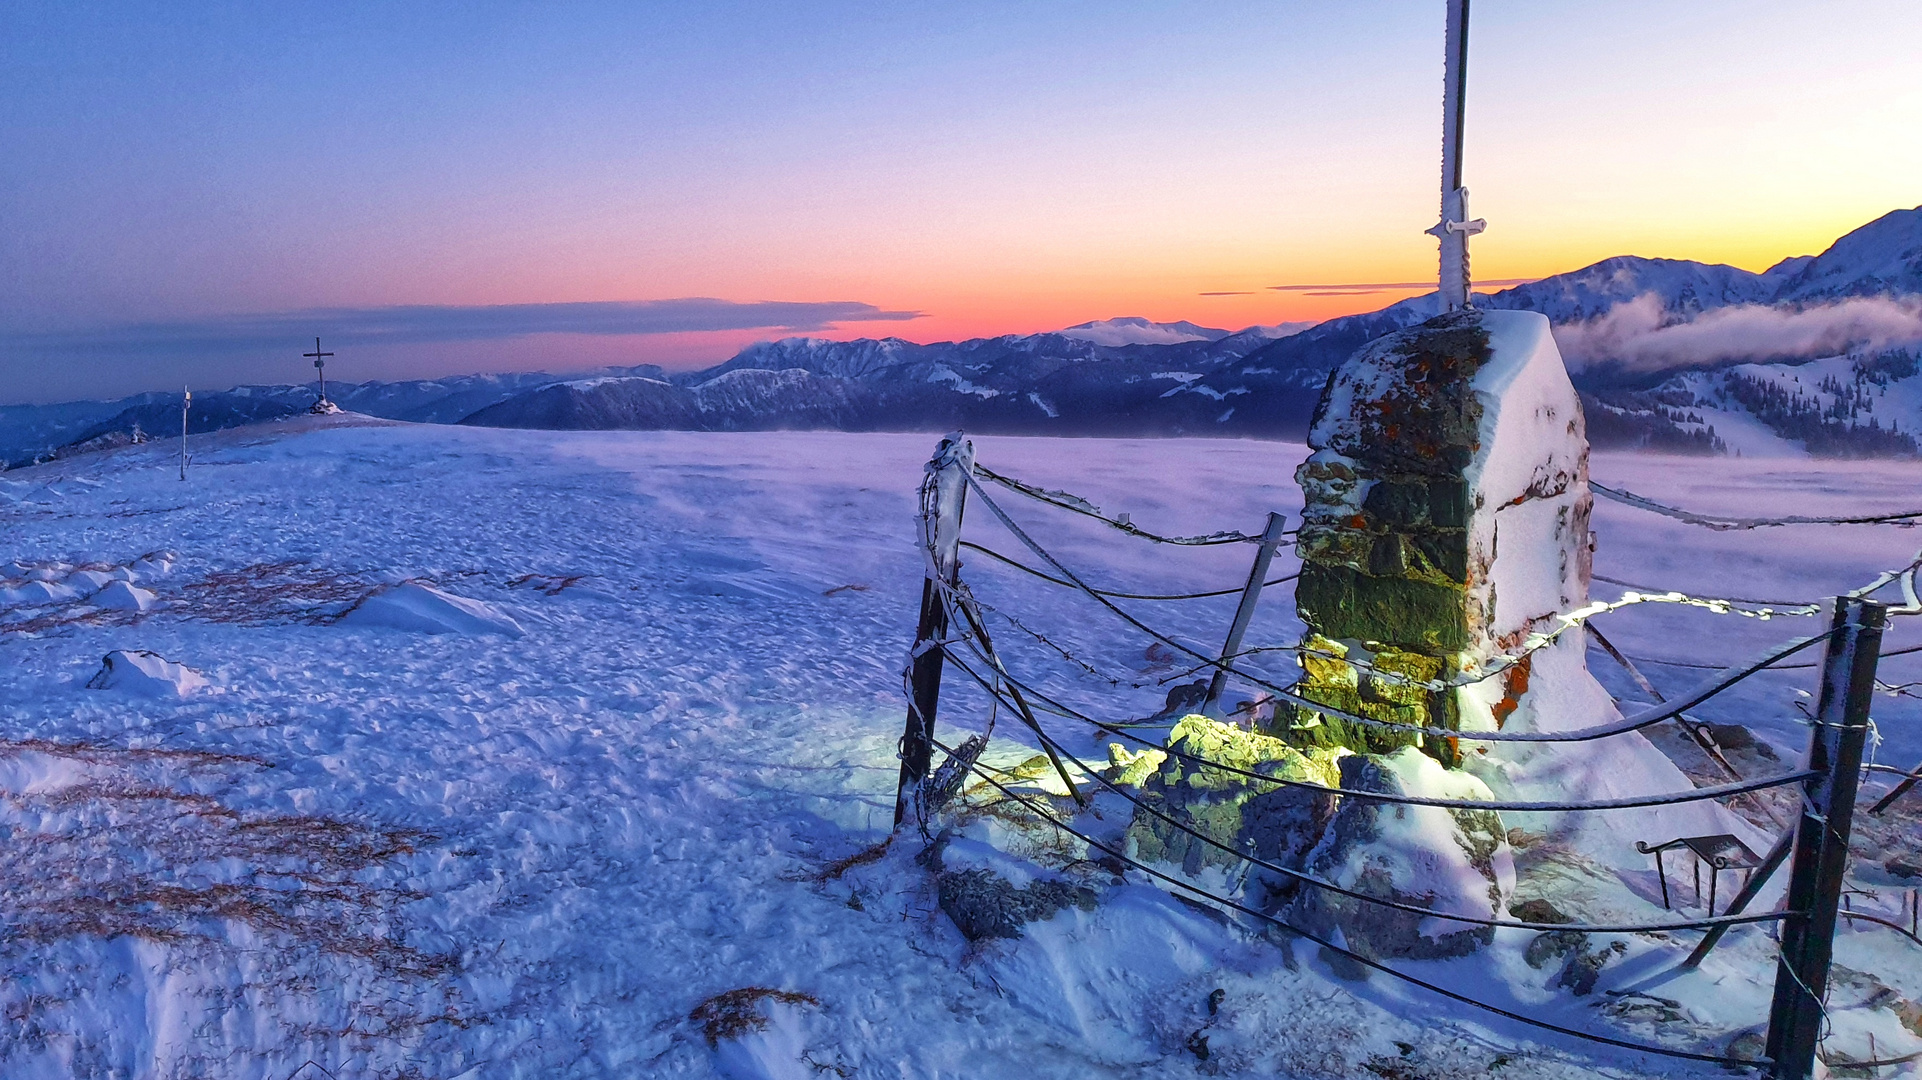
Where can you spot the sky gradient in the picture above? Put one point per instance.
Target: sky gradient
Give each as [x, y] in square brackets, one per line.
[936, 171]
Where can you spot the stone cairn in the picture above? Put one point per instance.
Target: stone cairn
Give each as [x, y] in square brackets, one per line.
[1446, 521]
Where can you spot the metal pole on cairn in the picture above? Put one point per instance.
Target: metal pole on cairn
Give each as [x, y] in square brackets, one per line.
[1454, 228]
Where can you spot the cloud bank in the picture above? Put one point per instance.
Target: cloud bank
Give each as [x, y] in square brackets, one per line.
[423, 323]
[1639, 334]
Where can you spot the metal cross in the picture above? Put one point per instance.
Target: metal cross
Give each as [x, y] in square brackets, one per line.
[1455, 228]
[320, 366]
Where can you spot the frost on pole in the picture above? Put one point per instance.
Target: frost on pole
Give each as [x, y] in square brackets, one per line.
[1446, 520]
[1455, 226]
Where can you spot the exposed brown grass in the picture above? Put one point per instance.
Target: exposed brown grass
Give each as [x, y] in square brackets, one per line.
[122, 852]
[286, 591]
[860, 858]
[548, 584]
[736, 1013]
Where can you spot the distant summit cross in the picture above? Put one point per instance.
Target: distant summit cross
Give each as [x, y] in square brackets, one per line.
[320, 368]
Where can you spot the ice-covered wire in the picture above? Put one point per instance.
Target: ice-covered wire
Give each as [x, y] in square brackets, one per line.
[1722, 524]
[1329, 886]
[1732, 599]
[1365, 961]
[1079, 505]
[1026, 569]
[1059, 649]
[1877, 1063]
[1641, 719]
[1493, 666]
[1880, 921]
[1906, 651]
[1631, 802]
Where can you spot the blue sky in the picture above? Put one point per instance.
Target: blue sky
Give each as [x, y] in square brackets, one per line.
[178, 169]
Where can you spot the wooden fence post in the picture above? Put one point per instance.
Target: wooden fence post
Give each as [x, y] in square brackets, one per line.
[944, 492]
[1245, 611]
[1822, 835]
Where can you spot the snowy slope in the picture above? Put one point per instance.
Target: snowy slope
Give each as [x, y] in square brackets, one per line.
[469, 854]
[1884, 256]
[1838, 406]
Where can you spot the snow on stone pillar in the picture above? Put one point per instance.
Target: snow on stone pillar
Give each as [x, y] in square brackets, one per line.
[1446, 519]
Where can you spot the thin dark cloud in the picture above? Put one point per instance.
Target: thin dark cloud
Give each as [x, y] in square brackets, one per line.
[1356, 288]
[1226, 294]
[423, 323]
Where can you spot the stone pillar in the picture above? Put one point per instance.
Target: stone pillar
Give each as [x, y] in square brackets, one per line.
[1446, 519]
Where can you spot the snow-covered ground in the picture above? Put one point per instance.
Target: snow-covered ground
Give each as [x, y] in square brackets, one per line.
[504, 750]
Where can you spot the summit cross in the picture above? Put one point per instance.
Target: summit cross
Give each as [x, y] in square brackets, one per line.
[320, 367]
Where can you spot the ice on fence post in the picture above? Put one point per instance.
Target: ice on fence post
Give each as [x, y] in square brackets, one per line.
[1446, 520]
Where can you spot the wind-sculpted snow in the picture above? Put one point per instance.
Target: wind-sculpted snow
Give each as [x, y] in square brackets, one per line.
[446, 855]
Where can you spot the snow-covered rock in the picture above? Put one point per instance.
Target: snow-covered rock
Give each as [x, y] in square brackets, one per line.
[1455, 862]
[87, 582]
[123, 596]
[149, 674]
[38, 594]
[424, 609]
[1276, 823]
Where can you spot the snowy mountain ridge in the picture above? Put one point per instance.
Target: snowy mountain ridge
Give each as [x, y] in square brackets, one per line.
[1137, 331]
[1625, 324]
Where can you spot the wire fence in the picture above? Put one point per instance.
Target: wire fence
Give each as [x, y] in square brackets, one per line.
[966, 644]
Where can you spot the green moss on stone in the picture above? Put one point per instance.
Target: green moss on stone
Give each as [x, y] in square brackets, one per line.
[1340, 602]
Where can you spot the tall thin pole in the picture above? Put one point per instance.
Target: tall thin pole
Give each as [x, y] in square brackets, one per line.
[1821, 852]
[1245, 611]
[1455, 228]
[186, 402]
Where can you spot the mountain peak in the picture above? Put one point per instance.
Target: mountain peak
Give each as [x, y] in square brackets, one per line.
[1884, 256]
[1133, 330]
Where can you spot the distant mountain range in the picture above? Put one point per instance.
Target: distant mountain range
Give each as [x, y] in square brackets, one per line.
[1626, 323]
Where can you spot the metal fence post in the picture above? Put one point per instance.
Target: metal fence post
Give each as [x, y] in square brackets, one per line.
[1251, 592]
[1822, 835]
[944, 492]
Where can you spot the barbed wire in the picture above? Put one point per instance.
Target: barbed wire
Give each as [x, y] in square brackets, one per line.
[1366, 961]
[1416, 909]
[1004, 688]
[1786, 607]
[1489, 668]
[1626, 803]
[1641, 719]
[1026, 569]
[1906, 651]
[1724, 524]
[1076, 504]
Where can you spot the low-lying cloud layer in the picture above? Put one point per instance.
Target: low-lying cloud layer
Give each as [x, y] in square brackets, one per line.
[420, 323]
[1639, 334]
